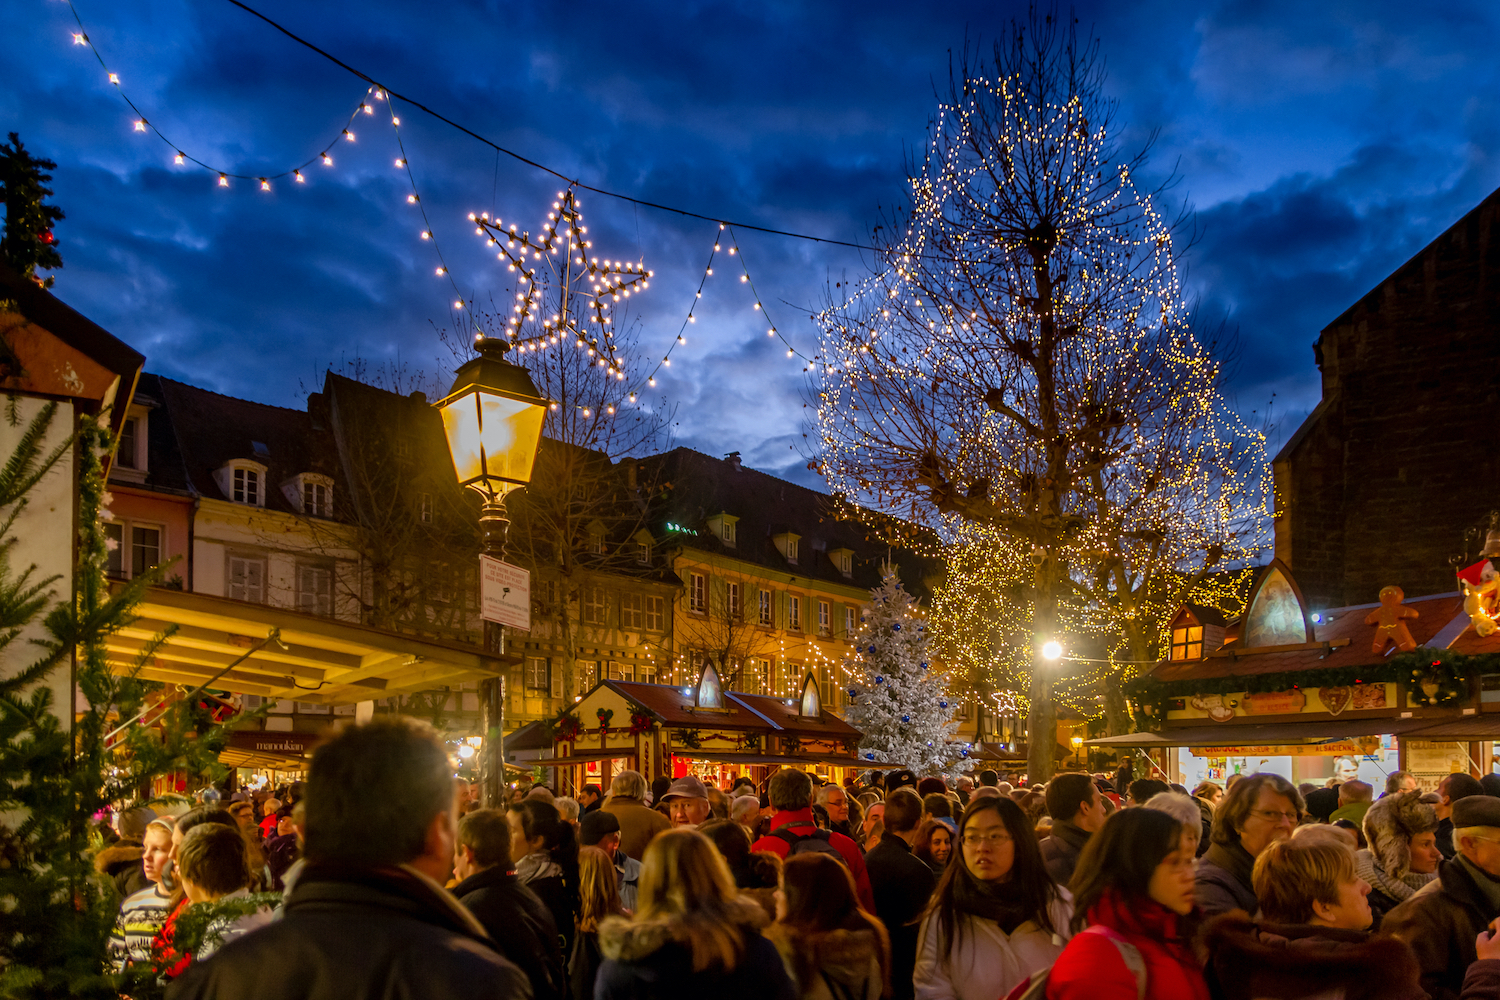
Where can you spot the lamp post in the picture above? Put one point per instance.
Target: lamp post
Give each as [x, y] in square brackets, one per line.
[492, 418]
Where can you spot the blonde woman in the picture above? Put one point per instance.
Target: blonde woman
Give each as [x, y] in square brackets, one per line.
[599, 897]
[692, 934]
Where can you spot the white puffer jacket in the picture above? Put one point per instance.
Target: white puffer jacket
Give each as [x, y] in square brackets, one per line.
[988, 963]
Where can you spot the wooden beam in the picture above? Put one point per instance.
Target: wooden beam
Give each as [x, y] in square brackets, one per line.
[130, 646]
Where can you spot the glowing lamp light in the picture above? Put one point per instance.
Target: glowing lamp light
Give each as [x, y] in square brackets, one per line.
[1052, 650]
[493, 420]
[465, 751]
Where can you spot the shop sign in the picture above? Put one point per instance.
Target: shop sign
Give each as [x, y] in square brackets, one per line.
[1274, 703]
[1339, 748]
[504, 593]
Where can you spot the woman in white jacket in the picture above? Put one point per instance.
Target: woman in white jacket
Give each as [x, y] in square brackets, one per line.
[996, 917]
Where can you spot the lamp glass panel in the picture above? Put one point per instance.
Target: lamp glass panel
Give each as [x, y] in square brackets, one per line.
[461, 425]
[509, 432]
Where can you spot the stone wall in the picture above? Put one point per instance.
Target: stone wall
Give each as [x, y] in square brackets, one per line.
[1403, 455]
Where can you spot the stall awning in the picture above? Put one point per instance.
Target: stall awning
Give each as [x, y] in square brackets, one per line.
[1470, 727]
[1267, 734]
[583, 757]
[319, 660]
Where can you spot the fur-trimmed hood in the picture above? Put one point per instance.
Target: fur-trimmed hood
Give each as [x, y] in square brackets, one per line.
[843, 955]
[637, 940]
[1389, 826]
[117, 856]
[1266, 960]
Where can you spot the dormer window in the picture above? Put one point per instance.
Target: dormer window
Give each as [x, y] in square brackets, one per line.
[786, 544]
[643, 542]
[310, 493]
[843, 561]
[1196, 630]
[131, 455]
[723, 527]
[243, 481]
[1187, 642]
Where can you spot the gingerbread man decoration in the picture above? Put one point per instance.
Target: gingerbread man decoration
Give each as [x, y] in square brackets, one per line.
[1389, 621]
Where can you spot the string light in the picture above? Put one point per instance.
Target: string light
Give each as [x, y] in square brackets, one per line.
[143, 123]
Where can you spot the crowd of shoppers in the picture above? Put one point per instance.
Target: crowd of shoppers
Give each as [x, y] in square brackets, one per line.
[379, 878]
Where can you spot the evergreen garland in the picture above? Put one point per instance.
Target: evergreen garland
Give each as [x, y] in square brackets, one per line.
[1453, 673]
[28, 242]
[56, 913]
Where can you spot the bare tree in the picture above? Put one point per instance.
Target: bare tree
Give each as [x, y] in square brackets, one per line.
[1020, 370]
[724, 632]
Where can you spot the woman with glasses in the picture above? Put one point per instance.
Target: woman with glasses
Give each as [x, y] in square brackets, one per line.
[1257, 811]
[1133, 891]
[996, 916]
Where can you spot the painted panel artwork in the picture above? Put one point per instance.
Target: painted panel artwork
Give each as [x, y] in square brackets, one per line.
[1275, 617]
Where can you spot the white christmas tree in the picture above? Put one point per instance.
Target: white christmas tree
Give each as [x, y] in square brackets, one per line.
[896, 698]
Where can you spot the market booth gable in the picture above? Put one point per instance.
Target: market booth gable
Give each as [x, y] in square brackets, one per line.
[1367, 689]
[665, 731]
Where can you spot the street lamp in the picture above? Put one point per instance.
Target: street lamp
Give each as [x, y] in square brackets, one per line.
[492, 418]
[1052, 650]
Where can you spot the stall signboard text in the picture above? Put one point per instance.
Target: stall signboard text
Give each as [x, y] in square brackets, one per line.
[504, 593]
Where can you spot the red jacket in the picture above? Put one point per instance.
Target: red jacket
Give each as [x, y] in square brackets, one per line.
[1091, 967]
[800, 822]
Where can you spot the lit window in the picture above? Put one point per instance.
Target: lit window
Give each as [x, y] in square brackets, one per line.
[246, 486]
[697, 593]
[1187, 643]
[734, 600]
[765, 607]
[537, 674]
[655, 614]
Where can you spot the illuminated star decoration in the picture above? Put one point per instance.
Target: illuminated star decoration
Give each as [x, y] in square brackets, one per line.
[577, 283]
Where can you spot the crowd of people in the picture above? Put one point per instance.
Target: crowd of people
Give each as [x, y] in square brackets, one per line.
[383, 877]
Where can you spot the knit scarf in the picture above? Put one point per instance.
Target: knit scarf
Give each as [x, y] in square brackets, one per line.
[538, 864]
[1486, 883]
[991, 900]
[1396, 888]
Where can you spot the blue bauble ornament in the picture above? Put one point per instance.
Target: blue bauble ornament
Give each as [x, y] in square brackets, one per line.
[872, 650]
[905, 718]
[896, 627]
[854, 692]
[965, 753]
[924, 664]
[869, 756]
[942, 704]
[879, 680]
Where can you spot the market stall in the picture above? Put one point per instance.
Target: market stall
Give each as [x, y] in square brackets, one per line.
[1346, 692]
[665, 731]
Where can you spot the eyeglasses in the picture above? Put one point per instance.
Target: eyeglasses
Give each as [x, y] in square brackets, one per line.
[1275, 815]
[995, 838]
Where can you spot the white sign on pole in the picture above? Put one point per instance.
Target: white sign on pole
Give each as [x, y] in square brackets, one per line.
[504, 593]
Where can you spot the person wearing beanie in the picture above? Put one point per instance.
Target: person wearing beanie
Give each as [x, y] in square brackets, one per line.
[1443, 920]
[1402, 857]
[602, 830]
[1456, 786]
[1322, 802]
[1491, 784]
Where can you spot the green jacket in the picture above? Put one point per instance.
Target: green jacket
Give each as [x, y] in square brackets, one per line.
[1354, 812]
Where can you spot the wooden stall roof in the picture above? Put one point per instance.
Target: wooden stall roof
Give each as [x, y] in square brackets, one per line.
[319, 660]
[785, 718]
[671, 707]
[1266, 734]
[1439, 614]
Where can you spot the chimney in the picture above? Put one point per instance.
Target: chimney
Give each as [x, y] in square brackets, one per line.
[733, 458]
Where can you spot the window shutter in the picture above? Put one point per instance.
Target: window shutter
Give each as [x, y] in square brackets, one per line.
[555, 671]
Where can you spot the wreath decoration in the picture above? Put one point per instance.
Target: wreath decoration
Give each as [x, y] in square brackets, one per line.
[640, 722]
[566, 729]
[1436, 683]
[791, 744]
[750, 742]
[691, 738]
[604, 715]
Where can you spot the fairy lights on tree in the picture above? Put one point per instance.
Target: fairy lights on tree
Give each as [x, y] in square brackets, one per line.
[1021, 372]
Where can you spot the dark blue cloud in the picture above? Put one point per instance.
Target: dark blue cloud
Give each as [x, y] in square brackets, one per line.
[1322, 145]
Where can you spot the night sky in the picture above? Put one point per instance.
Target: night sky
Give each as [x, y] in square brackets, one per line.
[1320, 144]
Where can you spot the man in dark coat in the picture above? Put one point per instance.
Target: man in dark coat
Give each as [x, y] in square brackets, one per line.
[1077, 811]
[1443, 919]
[368, 917]
[1452, 788]
[522, 927]
[902, 885]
